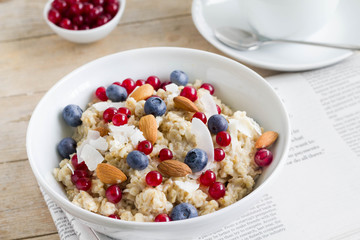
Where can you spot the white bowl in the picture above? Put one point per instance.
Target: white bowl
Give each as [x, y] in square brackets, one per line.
[85, 36]
[237, 85]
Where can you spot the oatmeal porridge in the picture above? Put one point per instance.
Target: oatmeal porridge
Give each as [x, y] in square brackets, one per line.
[150, 151]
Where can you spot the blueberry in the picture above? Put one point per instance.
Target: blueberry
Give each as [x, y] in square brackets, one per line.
[66, 147]
[179, 77]
[116, 93]
[196, 159]
[72, 115]
[217, 123]
[155, 106]
[137, 160]
[183, 211]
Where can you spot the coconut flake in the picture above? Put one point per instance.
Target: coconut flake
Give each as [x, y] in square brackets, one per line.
[70, 167]
[188, 186]
[99, 143]
[204, 142]
[208, 104]
[172, 87]
[246, 126]
[96, 142]
[91, 157]
[102, 106]
[125, 134]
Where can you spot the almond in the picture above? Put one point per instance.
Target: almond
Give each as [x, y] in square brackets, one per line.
[174, 168]
[143, 92]
[102, 130]
[148, 126]
[266, 139]
[185, 104]
[110, 174]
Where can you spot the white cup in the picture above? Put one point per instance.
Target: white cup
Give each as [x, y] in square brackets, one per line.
[296, 19]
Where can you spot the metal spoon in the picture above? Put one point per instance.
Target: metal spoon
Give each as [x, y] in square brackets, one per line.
[244, 40]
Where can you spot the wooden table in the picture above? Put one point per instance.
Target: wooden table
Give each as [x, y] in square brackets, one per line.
[33, 58]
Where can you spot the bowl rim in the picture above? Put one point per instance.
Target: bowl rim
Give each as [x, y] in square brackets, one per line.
[47, 7]
[109, 222]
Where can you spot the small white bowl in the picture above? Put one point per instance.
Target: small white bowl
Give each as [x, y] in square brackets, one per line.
[85, 36]
[236, 85]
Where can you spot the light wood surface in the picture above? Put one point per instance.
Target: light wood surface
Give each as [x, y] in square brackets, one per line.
[33, 58]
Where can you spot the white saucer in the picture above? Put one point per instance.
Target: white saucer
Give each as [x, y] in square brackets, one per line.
[342, 28]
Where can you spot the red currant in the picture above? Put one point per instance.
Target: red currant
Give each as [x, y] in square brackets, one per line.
[154, 81]
[83, 183]
[98, 2]
[200, 116]
[207, 178]
[165, 154]
[84, 27]
[263, 157]
[95, 12]
[217, 190]
[113, 194]
[153, 178]
[208, 87]
[54, 16]
[219, 154]
[119, 119]
[78, 20]
[218, 109]
[87, 8]
[117, 83]
[145, 147]
[79, 173]
[223, 138]
[59, 5]
[140, 82]
[72, 1]
[77, 8]
[129, 85]
[190, 93]
[114, 216]
[109, 114]
[75, 163]
[162, 218]
[101, 94]
[125, 111]
[65, 23]
[102, 20]
[112, 1]
[112, 9]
